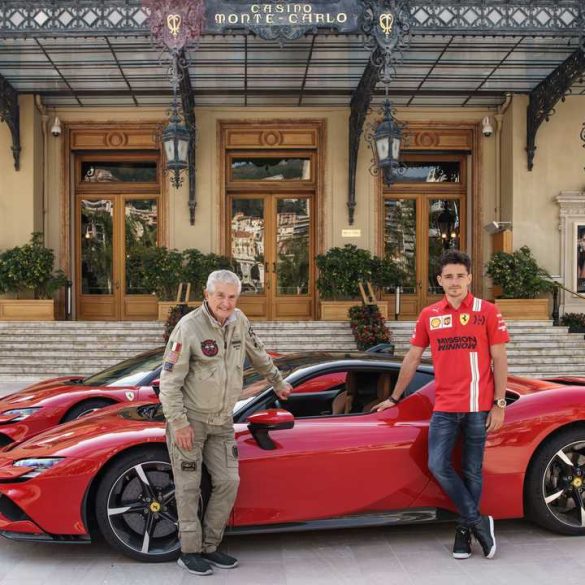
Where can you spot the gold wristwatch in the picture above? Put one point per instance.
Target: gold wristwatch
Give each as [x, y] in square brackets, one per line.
[500, 403]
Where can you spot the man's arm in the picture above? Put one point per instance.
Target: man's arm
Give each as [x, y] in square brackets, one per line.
[495, 419]
[174, 371]
[263, 364]
[407, 370]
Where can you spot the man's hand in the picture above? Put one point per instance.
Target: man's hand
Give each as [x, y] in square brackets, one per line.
[383, 406]
[495, 419]
[184, 437]
[284, 392]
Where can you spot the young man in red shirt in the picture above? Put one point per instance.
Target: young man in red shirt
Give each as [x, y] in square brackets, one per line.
[467, 336]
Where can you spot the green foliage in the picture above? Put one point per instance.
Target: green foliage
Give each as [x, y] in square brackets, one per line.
[198, 266]
[573, 320]
[518, 274]
[340, 270]
[162, 272]
[30, 268]
[176, 313]
[386, 274]
[368, 326]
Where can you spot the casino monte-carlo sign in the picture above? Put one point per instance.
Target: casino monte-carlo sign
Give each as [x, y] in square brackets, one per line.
[271, 20]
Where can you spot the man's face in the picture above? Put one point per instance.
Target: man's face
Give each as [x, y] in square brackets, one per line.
[222, 301]
[455, 281]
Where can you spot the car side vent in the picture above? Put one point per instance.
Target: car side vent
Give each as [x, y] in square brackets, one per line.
[10, 510]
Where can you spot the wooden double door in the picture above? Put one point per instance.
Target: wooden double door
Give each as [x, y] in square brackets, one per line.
[112, 232]
[418, 228]
[270, 238]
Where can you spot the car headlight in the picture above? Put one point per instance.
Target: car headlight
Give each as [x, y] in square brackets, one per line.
[20, 413]
[38, 465]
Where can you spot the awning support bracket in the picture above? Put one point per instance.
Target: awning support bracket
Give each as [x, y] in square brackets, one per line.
[10, 114]
[544, 97]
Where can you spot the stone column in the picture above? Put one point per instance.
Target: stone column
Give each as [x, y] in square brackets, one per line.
[571, 226]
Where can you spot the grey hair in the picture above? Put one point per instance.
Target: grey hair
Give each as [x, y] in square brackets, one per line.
[223, 277]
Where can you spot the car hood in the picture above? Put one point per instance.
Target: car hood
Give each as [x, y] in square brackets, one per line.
[112, 428]
[38, 394]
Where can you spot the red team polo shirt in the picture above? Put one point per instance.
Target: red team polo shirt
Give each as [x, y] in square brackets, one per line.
[460, 341]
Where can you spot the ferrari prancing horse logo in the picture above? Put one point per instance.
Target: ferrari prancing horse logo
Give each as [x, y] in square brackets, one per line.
[464, 318]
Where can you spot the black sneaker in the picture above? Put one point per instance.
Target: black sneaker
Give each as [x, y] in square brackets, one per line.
[462, 544]
[221, 560]
[194, 563]
[484, 533]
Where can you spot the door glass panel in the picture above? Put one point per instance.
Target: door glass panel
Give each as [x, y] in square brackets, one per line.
[429, 172]
[400, 238]
[247, 243]
[97, 247]
[292, 246]
[141, 233]
[444, 234]
[271, 169]
[118, 172]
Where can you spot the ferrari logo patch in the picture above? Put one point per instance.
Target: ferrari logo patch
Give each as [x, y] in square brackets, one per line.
[464, 318]
[209, 347]
[130, 395]
[441, 322]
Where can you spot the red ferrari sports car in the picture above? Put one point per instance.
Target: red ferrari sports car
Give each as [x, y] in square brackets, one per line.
[51, 402]
[321, 459]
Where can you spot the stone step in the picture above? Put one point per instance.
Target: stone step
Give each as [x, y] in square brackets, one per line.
[38, 350]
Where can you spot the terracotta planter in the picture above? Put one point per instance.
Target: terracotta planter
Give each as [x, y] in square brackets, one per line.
[337, 310]
[165, 306]
[524, 309]
[27, 310]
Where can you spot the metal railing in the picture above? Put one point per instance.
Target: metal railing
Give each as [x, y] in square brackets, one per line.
[556, 300]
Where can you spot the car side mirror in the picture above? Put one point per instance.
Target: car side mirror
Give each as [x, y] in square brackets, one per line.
[273, 419]
[156, 386]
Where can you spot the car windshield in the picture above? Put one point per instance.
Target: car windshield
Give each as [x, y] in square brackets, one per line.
[129, 372]
[255, 384]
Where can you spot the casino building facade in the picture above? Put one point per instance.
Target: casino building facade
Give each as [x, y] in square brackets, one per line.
[281, 101]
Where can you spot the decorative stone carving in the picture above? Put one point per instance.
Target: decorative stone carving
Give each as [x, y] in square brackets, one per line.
[572, 215]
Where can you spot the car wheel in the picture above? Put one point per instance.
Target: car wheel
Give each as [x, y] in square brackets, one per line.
[555, 484]
[136, 509]
[85, 407]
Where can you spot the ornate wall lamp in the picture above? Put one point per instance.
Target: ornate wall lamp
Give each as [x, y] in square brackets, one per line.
[174, 24]
[385, 139]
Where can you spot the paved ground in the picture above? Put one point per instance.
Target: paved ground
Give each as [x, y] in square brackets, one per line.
[392, 556]
[406, 555]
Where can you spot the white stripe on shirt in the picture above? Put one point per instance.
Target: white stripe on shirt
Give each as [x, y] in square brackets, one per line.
[474, 385]
[476, 304]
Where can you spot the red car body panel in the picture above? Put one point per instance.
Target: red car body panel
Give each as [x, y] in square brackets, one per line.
[55, 398]
[320, 469]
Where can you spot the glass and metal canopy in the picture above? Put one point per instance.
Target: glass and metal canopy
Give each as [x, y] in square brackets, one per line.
[461, 54]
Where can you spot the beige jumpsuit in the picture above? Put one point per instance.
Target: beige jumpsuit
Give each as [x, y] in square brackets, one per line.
[200, 384]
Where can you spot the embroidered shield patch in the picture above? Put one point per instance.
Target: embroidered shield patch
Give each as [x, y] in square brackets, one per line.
[464, 318]
[209, 347]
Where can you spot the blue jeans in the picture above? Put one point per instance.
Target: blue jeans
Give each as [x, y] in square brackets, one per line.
[464, 491]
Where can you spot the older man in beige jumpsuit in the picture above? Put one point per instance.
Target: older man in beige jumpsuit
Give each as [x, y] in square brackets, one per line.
[200, 384]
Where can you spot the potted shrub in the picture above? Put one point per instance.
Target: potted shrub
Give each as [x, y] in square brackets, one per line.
[198, 266]
[340, 271]
[27, 272]
[521, 281]
[368, 326]
[574, 321]
[162, 271]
